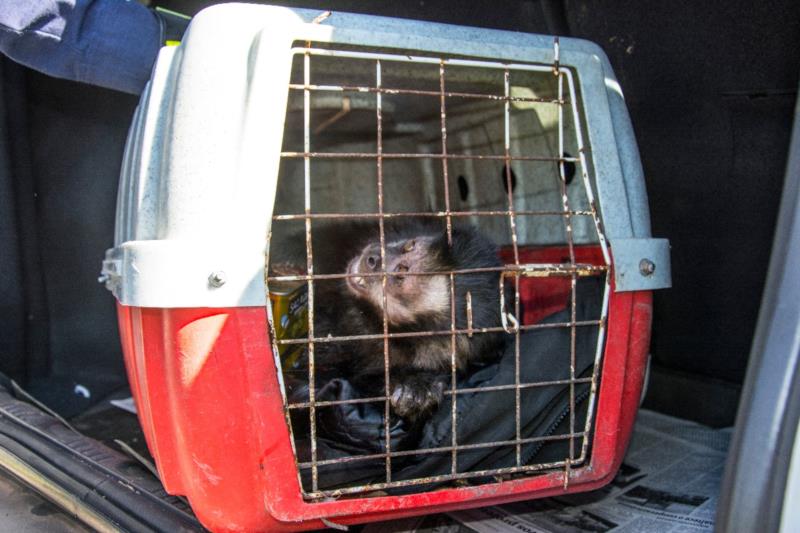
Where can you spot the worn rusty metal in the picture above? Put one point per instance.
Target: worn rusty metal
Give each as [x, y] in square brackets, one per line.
[469, 314]
[421, 155]
[452, 285]
[413, 334]
[433, 451]
[310, 269]
[384, 315]
[512, 221]
[418, 92]
[382, 238]
[453, 379]
[465, 390]
[445, 157]
[573, 275]
[336, 117]
[429, 214]
[554, 270]
[516, 269]
[533, 468]
[544, 270]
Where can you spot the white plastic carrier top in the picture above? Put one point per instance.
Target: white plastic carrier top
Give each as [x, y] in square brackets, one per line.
[201, 164]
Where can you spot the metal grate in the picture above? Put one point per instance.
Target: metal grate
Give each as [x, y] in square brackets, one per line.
[565, 99]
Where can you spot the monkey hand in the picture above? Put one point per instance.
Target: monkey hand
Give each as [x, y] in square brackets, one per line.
[416, 396]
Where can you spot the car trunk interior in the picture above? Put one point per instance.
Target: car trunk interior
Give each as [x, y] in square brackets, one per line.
[711, 96]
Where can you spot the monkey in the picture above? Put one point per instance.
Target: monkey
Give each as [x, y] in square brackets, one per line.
[419, 366]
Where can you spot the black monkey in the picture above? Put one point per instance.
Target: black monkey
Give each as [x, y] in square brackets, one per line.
[419, 365]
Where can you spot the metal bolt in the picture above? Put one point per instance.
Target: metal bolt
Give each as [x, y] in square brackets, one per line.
[217, 278]
[647, 267]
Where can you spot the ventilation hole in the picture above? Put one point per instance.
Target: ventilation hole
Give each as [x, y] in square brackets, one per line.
[463, 188]
[569, 169]
[504, 178]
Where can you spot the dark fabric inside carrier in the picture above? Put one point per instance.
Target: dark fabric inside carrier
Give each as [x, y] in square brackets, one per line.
[350, 430]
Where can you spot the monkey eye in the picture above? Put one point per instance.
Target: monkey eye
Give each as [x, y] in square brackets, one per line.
[409, 246]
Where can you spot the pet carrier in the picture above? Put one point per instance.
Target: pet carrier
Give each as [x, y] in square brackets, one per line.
[272, 128]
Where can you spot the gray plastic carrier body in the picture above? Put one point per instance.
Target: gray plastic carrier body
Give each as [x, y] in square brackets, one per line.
[201, 164]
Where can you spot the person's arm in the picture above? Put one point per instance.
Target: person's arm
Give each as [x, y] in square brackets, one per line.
[111, 43]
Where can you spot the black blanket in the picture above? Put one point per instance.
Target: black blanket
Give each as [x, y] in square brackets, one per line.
[482, 416]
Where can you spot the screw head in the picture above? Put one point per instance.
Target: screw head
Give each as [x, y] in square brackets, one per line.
[217, 278]
[647, 267]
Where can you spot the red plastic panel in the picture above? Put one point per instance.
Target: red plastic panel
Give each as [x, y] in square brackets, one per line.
[209, 400]
[540, 297]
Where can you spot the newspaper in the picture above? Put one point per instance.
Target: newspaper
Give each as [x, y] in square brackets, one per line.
[669, 482]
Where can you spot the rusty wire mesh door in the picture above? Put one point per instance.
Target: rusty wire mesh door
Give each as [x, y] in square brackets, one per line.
[376, 136]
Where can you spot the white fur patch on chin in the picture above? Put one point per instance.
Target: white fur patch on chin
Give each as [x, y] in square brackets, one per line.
[436, 295]
[434, 299]
[396, 311]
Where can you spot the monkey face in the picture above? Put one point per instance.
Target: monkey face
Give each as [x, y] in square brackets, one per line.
[408, 297]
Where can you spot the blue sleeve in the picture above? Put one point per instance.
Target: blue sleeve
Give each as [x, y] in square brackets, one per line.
[112, 43]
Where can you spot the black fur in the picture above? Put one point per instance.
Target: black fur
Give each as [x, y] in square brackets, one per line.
[419, 366]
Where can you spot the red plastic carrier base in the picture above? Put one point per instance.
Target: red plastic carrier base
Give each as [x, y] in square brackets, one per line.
[210, 403]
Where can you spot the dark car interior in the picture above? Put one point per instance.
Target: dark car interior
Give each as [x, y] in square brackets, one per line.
[711, 89]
